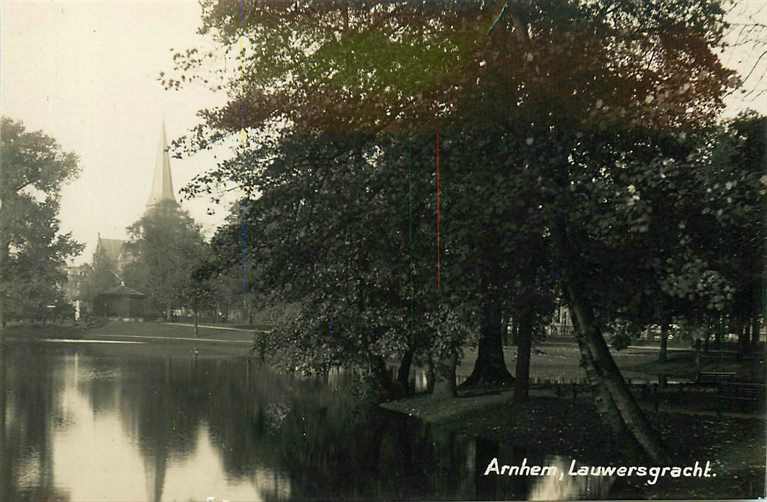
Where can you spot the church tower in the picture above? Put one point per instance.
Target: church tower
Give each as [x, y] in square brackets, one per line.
[162, 184]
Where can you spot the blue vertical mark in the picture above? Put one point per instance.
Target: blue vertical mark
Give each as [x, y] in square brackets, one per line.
[244, 256]
[330, 327]
[242, 107]
[410, 274]
[244, 253]
[243, 14]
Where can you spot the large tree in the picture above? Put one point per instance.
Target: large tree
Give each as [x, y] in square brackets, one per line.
[393, 100]
[589, 99]
[363, 285]
[33, 250]
[165, 248]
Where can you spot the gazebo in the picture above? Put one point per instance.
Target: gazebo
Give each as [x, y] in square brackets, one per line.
[120, 302]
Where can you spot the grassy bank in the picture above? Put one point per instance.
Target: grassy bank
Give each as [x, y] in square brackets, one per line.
[49, 331]
[561, 362]
[160, 330]
[555, 361]
[141, 339]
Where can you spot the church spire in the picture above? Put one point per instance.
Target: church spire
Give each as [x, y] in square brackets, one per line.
[162, 184]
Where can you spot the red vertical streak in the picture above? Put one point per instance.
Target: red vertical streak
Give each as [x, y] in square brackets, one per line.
[439, 189]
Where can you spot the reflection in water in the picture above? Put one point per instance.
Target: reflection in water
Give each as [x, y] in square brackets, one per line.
[569, 488]
[4, 459]
[93, 423]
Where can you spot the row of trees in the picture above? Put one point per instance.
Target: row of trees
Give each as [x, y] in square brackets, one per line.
[415, 174]
[165, 248]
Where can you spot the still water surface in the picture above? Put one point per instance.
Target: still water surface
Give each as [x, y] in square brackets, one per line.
[88, 422]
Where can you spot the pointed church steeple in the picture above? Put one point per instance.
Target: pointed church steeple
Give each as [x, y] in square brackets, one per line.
[162, 184]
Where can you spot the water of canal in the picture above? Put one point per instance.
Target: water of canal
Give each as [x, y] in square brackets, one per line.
[89, 422]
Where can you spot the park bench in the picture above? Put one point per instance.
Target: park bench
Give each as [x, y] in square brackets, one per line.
[715, 377]
[747, 396]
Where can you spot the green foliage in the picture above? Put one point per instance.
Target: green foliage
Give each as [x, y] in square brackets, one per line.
[166, 247]
[734, 192]
[308, 245]
[577, 140]
[33, 250]
[622, 333]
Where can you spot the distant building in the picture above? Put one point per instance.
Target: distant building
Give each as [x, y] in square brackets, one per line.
[113, 255]
[162, 183]
[120, 302]
[112, 252]
[73, 286]
[76, 274]
[561, 322]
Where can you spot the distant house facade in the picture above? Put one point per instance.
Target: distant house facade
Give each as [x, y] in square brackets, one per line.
[561, 322]
[73, 286]
[76, 275]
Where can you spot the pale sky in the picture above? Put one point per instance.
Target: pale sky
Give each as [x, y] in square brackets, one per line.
[85, 72]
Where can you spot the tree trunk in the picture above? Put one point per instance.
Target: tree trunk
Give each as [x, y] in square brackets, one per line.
[403, 373]
[755, 331]
[444, 376]
[196, 323]
[604, 364]
[490, 367]
[524, 344]
[664, 330]
[633, 418]
[744, 337]
[379, 379]
[430, 374]
[505, 332]
[603, 401]
[719, 333]
[514, 330]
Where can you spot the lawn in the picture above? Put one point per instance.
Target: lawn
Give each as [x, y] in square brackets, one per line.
[561, 362]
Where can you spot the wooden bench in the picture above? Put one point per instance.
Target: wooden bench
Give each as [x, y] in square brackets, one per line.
[715, 377]
[747, 396]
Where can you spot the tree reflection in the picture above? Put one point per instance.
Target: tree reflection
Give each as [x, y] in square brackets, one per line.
[31, 405]
[310, 437]
[163, 408]
[4, 456]
[286, 437]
